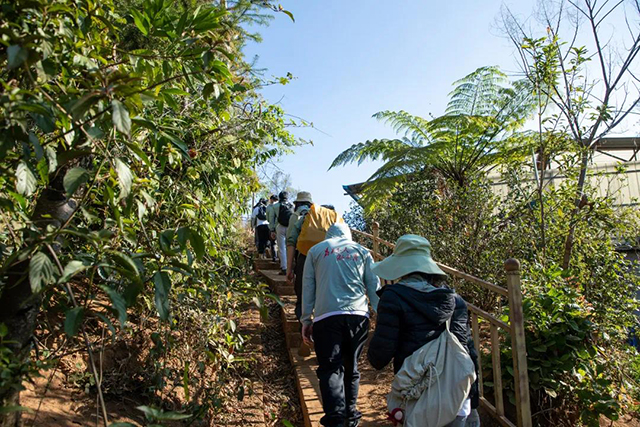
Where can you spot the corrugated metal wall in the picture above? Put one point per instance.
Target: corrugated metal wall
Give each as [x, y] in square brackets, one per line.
[618, 180]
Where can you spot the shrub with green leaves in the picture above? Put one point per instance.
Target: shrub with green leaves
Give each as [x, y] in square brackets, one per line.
[571, 377]
[129, 136]
[577, 319]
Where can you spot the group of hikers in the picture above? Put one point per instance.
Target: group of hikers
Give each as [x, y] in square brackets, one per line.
[421, 324]
[270, 220]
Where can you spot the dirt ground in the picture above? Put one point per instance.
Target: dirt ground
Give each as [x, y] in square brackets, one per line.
[625, 421]
[63, 405]
[273, 374]
[372, 400]
[268, 382]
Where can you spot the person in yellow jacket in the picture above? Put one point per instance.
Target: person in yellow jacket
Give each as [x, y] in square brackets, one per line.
[307, 227]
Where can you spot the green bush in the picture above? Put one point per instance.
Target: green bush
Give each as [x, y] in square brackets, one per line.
[571, 377]
[130, 132]
[577, 320]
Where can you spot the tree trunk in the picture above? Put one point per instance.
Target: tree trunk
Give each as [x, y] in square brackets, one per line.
[20, 306]
[582, 178]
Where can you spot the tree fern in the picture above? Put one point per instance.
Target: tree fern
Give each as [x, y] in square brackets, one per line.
[475, 133]
[413, 127]
[476, 93]
[377, 149]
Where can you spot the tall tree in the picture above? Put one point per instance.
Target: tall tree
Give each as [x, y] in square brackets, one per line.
[473, 135]
[129, 134]
[591, 89]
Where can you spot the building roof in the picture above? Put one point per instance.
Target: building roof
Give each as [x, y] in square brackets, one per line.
[603, 145]
[618, 143]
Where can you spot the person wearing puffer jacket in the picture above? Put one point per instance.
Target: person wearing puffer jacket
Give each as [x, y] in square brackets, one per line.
[414, 310]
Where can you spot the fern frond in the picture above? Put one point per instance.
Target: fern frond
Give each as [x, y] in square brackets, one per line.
[376, 149]
[476, 132]
[477, 93]
[412, 127]
[409, 161]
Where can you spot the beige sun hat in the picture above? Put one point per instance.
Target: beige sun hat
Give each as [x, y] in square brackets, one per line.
[304, 196]
[411, 254]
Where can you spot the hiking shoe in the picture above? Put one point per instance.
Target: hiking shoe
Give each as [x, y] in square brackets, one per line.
[282, 273]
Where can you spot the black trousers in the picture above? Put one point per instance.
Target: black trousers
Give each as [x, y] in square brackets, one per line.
[263, 237]
[339, 341]
[272, 245]
[297, 284]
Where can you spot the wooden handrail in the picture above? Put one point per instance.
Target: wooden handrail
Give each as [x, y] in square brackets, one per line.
[497, 370]
[374, 238]
[362, 233]
[475, 330]
[487, 285]
[454, 272]
[490, 317]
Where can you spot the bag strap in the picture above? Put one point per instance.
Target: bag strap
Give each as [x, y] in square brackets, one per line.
[449, 320]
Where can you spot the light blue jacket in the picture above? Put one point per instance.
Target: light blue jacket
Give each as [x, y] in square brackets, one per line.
[337, 276]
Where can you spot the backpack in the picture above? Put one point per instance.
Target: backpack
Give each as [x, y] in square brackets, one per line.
[284, 213]
[314, 228]
[433, 383]
[262, 212]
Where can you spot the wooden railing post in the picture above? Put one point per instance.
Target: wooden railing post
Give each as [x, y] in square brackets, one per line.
[376, 242]
[518, 344]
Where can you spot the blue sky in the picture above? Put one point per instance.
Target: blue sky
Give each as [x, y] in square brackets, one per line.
[353, 58]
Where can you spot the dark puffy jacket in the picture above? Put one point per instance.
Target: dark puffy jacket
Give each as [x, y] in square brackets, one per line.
[409, 318]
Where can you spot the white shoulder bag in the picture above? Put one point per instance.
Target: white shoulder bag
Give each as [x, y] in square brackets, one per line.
[433, 383]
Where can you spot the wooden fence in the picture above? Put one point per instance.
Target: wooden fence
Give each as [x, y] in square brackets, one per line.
[514, 327]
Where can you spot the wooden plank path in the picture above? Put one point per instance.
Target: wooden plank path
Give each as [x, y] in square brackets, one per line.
[304, 367]
[373, 386]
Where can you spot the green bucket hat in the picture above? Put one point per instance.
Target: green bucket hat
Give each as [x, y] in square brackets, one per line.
[411, 254]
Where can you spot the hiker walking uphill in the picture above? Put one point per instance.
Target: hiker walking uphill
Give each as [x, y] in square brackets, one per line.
[261, 226]
[307, 227]
[279, 217]
[272, 238]
[337, 280]
[412, 314]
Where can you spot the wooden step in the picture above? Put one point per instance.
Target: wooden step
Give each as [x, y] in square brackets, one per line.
[289, 321]
[277, 283]
[294, 340]
[284, 290]
[274, 276]
[308, 387]
[265, 264]
[305, 367]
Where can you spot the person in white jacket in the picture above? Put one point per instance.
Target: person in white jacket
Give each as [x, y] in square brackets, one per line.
[337, 285]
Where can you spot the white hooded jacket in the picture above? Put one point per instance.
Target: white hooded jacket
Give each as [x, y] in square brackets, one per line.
[337, 277]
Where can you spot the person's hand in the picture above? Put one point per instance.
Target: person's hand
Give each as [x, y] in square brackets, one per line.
[290, 277]
[273, 235]
[307, 334]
